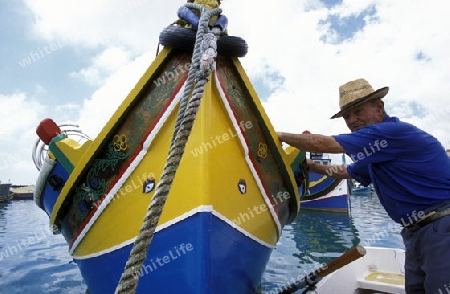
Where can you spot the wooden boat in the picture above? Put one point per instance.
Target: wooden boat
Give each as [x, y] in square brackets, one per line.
[324, 192]
[225, 209]
[335, 200]
[380, 270]
[360, 270]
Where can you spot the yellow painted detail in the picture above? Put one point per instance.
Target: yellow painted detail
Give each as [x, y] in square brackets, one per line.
[86, 157]
[261, 110]
[209, 173]
[51, 155]
[313, 183]
[120, 142]
[72, 149]
[291, 154]
[387, 278]
[262, 151]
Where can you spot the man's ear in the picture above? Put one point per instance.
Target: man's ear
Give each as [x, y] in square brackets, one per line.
[380, 106]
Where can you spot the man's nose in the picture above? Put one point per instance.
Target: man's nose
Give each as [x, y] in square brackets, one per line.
[350, 118]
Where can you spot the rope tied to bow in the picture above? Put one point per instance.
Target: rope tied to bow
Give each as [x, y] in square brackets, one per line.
[203, 63]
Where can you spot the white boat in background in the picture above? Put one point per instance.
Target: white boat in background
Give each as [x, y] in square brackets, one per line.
[356, 188]
[380, 270]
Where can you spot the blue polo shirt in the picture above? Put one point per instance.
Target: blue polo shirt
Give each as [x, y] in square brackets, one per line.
[408, 167]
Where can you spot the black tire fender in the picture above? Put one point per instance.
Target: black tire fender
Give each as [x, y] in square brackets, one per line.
[184, 39]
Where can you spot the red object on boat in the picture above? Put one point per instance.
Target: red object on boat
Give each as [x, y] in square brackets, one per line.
[306, 132]
[47, 130]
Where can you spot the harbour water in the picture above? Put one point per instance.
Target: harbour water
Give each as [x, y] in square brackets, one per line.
[32, 260]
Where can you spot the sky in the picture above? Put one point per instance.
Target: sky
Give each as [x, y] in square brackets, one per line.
[75, 61]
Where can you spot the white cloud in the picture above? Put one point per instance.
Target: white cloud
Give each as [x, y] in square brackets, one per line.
[133, 23]
[17, 114]
[109, 60]
[18, 118]
[97, 110]
[283, 37]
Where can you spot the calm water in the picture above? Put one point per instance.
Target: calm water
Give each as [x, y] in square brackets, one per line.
[32, 260]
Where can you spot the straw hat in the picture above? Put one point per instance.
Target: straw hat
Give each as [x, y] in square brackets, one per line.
[355, 93]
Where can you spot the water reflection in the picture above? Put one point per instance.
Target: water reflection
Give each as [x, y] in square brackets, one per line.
[3, 208]
[315, 238]
[32, 259]
[322, 236]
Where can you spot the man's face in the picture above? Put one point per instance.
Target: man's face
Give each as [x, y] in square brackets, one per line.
[371, 112]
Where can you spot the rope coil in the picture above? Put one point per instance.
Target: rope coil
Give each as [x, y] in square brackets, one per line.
[203, 63]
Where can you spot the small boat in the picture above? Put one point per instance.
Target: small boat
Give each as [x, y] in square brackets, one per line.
[9, 192]
[22, 192]
[324, 192]
[360, 270]
[130, 223]
[358, 189]
[335, 200]
[380, 270]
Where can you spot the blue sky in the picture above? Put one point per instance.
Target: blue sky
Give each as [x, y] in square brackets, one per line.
[30, 63]
[75, 61]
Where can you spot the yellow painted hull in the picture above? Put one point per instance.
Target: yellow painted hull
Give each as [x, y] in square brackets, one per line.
[233, 167]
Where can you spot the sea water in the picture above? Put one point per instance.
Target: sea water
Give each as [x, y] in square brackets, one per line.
[33, 260]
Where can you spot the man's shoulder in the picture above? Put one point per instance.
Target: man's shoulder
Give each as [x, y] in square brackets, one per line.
[393, 125]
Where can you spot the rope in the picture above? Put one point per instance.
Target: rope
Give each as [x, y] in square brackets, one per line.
[195, 62]
[203, 63]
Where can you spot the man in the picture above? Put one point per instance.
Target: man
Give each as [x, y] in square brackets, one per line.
[409, 170]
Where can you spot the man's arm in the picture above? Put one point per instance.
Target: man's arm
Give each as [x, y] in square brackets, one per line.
[312, 142]
[334, 171]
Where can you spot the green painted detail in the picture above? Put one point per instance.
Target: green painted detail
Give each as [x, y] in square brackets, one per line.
[60, 156]
[93, 189]
[258, 135]
[124, 141]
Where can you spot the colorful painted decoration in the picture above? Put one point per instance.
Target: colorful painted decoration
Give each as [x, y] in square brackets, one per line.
[262, 151]
[120, 142]
[149, 185]
[242, 186]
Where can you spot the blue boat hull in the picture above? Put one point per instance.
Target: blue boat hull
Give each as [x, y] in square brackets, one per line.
[325, 193]
[205, 255]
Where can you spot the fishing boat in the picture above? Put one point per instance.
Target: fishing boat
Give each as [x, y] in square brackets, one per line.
[335, 200]
[380, 270]
[186, 189]
[324, 192]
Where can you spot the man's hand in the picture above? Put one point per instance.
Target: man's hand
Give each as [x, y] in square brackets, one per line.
[311, 142]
